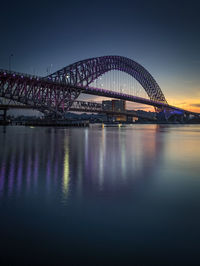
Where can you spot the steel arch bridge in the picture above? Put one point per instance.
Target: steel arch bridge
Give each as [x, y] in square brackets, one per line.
[55, 94]
[84, 72]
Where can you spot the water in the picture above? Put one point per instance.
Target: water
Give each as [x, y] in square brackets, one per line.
[93, 196]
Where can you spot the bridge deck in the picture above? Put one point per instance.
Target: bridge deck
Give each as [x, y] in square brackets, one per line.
[58, 85]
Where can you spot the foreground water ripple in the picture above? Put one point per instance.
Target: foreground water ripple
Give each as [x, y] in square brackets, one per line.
[79, 196]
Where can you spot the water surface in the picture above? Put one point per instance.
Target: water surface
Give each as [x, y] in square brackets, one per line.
[100, 196]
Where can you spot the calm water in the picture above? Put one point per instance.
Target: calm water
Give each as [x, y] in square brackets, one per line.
[112, 196]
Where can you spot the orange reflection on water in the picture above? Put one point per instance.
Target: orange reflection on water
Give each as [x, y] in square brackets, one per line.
[188, 144]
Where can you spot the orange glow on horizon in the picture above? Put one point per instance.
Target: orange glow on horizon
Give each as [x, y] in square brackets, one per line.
[190, 104]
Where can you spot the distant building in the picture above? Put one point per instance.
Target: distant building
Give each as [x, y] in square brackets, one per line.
[119, 105]
[121, 118]
[107, 105]
[114, 105]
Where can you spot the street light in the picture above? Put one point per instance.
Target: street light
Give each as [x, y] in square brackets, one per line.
[11, 55]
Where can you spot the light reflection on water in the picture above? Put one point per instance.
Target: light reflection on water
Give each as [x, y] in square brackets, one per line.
[142, 179]
[66, 169]
[67, 160]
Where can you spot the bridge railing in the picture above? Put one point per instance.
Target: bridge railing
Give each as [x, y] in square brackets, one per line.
[30, 76]
[14, 73]
[49, 79]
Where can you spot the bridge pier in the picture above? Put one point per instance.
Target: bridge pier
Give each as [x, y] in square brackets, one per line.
[174, 118]
[187, 117]
[4, 115]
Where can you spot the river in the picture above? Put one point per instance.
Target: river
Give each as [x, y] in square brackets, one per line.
[100, 196]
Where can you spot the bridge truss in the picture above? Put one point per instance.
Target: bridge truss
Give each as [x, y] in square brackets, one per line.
[56, 93]
[84, 72]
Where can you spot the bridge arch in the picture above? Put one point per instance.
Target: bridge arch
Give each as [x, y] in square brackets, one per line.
[84, 72]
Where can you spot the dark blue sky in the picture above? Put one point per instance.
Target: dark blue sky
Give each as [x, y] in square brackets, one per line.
[163, 36]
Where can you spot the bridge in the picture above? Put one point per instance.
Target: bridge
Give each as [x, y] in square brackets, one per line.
[84, 107]
[55, 94]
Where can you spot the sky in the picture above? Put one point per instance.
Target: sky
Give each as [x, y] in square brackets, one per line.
[163, 36]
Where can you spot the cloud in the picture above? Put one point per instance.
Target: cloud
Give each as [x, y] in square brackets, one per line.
[182, 103]
[195, 105]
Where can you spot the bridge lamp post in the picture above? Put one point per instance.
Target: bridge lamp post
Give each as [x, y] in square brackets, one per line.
[9, 61]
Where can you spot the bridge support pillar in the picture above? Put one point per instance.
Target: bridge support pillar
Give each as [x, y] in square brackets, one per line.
[187, 117]
[174, 118]
[182, 119]
[4, 114]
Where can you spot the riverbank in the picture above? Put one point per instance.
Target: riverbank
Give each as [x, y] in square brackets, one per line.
[85, 123]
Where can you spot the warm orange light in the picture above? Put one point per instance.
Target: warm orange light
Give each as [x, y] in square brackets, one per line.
[187, 104]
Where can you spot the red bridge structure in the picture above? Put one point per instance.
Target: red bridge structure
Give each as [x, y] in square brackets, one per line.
[56, 93]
